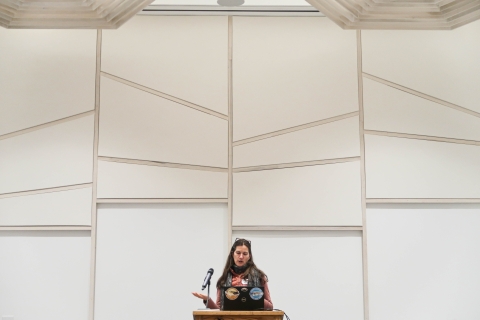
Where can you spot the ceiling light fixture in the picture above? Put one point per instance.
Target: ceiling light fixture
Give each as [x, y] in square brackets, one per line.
[68, 14]
[230, 3]
[399, 14]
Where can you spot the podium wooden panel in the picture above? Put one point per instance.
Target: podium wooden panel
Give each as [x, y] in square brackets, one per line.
[215, 314]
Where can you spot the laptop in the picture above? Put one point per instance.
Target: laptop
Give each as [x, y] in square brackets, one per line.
[242, 298]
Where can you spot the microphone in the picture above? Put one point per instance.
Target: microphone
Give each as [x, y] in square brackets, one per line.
[206, 281]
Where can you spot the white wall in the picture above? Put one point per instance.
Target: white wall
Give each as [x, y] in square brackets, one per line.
[121, 180]
[162, 122]
[150, 257]
[441, 64]
[184, 58]
[44, 274]
[46, 75]
[447, 170]
[168, 131]
[423, 261]
[69, 207]
[59, 155]
[327, 195]
[301, 71]
[312, 274]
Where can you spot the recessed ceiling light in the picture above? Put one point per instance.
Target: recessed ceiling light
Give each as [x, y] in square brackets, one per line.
[230, 3]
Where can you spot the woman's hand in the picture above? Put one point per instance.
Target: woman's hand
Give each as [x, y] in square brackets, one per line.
[199, 295]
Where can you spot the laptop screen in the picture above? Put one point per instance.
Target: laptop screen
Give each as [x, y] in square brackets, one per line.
[242, 298]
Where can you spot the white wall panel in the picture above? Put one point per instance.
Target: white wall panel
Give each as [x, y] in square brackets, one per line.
[55, 156]
[407, 168]
[423, 262]
[138, 125]
[289, 71]
[45, 274]
[337, 139]
[389, 109]
[186, 57]
[70, 207]
[46, 75]
[314, 195]
[151, 257]
[122, 180]
[443, 64]
[312, 275]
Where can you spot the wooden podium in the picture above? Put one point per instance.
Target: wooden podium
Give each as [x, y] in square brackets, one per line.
[215, 314]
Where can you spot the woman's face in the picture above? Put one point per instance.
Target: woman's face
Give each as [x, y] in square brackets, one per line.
[241, 255]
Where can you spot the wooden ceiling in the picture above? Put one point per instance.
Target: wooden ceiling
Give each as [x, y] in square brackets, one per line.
[399, 14]
[68, 14]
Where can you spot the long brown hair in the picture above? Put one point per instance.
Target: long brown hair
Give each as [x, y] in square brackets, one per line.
[250, 264]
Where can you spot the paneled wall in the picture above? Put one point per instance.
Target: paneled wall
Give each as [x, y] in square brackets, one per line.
[422, 116]
[296, 145]
[187, 132]
[163, 118]
[47, 89]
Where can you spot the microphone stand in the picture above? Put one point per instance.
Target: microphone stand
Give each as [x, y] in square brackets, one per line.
[208, 294]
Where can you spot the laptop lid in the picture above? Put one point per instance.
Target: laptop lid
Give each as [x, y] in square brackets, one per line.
[242, 298]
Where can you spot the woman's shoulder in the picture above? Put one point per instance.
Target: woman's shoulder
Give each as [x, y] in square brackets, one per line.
[264, 279]
[259, 274]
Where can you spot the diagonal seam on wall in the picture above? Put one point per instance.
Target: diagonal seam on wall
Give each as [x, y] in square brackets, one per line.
[165, 96]
[295, 128]
[421, 95]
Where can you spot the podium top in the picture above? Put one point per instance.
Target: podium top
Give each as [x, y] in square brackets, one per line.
[216, 314]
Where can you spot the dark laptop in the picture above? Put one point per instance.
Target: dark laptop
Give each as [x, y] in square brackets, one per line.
[243, 298]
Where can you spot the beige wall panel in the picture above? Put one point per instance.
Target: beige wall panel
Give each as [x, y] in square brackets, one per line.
[337, 139]
[407, 168]
[55, 156]
[185, 57]
[70, 207]
[442, 64]
[289, 71]
[122, 180]
[138, 125]
[389, 109]
[45, 75]
[315, 195]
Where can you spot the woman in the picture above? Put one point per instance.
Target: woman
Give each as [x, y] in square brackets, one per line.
[240, 271]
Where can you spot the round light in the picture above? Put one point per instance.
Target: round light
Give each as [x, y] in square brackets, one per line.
[230, 3]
